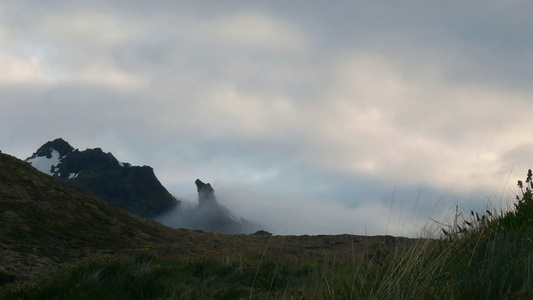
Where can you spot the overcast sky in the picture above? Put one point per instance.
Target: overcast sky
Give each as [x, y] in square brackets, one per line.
[308, 116]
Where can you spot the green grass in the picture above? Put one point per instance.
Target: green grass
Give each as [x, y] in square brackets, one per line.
[478, 256]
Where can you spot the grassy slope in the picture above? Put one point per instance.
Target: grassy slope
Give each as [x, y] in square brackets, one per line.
[45, 222]
[49, 226]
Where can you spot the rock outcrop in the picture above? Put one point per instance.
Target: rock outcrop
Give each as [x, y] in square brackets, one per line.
[60, 145]
[208, 215]
[206, 194]
[262, 233]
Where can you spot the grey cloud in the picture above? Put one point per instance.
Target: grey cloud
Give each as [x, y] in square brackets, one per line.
[333, 104]
[518, 160]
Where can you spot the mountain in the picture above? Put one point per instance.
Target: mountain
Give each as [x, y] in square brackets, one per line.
[135, 189]
[132, 188]
[208, 215]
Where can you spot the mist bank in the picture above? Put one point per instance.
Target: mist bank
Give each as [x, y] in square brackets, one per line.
[207, 214]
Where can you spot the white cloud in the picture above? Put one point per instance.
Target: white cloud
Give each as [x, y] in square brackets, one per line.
[399, 125]
[15, 70]
[258, 30]
[108, 75]
[96, 29]
[250, 115]
[294, 214]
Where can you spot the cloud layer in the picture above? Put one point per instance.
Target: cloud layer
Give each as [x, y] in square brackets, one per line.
[306, 117]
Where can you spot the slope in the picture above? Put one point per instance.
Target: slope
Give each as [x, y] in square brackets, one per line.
[45, 222]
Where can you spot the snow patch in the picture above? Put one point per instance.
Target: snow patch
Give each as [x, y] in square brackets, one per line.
[124, 164]
[74, 175]
[45, 164]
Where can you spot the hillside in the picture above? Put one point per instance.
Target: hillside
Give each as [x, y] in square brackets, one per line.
[46, 224]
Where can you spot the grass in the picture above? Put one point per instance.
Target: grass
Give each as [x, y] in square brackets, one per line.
[478, 256]
[206, 275]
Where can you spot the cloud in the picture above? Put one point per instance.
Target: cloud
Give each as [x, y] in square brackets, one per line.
[294, 212]
[316, 111]
[384, 121]
[16, 70]
[257, 30]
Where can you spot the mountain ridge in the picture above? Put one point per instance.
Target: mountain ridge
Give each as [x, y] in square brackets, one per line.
[135, 189]
[132, 188]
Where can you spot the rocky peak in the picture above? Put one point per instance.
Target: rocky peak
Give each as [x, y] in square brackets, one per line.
[206, 194]
[95, 160]
[58, 145]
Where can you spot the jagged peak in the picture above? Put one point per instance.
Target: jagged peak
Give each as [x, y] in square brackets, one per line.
[206, 193]
[59, 145]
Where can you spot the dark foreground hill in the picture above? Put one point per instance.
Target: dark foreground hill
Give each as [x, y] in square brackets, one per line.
[45, 222]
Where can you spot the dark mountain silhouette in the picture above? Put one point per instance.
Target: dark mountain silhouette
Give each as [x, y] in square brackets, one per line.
[135, 188]
[132, 188]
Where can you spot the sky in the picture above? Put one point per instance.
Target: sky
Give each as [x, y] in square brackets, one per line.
[310, 117]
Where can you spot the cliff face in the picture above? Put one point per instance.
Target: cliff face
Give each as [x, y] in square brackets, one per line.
[132, 188]
[211, 216]
[206, 194]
